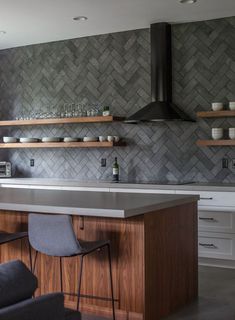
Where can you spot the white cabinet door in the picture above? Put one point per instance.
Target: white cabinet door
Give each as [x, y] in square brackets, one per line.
[216, 245]
[126, 190]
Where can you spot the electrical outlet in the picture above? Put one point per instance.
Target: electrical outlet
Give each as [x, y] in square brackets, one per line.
[225, 163]
[233, 163]
[103, 162]
[31, 162]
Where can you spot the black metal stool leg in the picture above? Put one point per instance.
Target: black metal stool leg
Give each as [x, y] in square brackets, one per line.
[80, 281]
[61, 275]
[111, 280]
[30, 257]
[35, 260]
[33, 263]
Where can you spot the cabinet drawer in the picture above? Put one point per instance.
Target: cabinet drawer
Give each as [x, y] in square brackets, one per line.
[213, 199]
[216, 245]
[216, 221]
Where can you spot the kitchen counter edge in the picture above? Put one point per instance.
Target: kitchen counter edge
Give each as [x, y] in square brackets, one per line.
[66, 183]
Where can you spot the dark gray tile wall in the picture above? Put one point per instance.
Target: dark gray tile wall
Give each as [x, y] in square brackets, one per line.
[114, 70]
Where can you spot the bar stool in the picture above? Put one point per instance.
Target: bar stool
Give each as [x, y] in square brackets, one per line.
[54, 235]
[6, 237]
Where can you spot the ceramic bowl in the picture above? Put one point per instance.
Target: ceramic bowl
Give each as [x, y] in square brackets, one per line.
[231, 133]
[217, 130]
[217, 133]
[116, 138]
[102, 138]
[232, 105]
[217, 106]
[110, 138]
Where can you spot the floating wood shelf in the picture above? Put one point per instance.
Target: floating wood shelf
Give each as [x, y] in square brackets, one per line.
[216, 114]
[97, 144]
[215, 143]
[60, 121]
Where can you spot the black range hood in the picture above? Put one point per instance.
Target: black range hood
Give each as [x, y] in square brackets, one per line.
[161, 108]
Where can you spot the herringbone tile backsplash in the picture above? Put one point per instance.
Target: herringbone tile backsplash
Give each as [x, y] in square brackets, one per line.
[114, 70]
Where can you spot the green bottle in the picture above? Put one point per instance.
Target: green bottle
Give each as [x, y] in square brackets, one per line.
[115, 170]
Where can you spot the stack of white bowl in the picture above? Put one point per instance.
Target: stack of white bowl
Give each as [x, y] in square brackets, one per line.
[232, 105]
[217, 133]
[231, 133]
[218, 106]
[109, 138]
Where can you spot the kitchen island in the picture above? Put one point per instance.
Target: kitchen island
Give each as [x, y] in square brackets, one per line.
[154, 248]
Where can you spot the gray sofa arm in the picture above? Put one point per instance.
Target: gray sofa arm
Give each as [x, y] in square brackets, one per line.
[48, 307]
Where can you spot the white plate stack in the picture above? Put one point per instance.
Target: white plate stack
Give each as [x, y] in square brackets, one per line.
[10, 139]
[51, 139]
[90, 139]
[28, 140]
[70, 139]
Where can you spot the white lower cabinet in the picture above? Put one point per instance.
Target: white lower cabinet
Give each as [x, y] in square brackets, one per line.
[216, 227]
[216, 238]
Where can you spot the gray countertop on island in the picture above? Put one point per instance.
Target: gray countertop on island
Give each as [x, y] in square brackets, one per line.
[85, 203]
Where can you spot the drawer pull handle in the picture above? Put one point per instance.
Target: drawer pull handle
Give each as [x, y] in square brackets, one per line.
[208, 245]
[207, 219]
[203, 198]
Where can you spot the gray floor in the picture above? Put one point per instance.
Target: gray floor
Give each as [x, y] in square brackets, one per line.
[216, 297]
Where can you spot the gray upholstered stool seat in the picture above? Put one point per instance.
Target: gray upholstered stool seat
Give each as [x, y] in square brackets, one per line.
[6, 237]
[54, 235]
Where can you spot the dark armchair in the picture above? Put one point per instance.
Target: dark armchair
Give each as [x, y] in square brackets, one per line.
[17, 286]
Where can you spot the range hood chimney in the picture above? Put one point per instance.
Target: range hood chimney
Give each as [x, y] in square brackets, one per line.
[161, 108]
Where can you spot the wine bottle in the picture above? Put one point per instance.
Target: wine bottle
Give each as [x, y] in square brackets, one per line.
[115, 170]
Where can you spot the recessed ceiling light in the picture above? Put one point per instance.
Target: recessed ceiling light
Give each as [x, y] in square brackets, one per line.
[188, 1]
[80, 18]
[2, 32]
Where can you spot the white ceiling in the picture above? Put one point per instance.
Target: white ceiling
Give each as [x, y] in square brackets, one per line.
[36, 21]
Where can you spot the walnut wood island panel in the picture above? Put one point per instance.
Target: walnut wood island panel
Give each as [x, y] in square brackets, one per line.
[153, 240]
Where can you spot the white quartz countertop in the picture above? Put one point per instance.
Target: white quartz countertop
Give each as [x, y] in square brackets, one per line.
[85, 203]
[226, 187]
